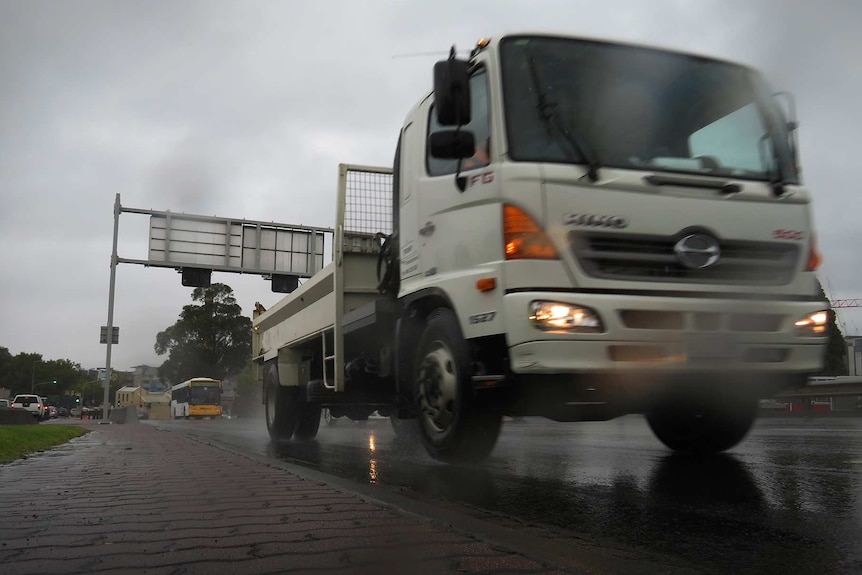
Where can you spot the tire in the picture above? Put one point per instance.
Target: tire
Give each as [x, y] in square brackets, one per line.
[282, 408]
[328, 419]
[399, 426]
[309, 422]
[704, 425]
[454, 425]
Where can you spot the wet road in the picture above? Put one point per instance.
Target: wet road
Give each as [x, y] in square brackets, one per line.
[787, 500]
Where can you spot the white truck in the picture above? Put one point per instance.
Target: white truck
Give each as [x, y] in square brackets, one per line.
[573, 229]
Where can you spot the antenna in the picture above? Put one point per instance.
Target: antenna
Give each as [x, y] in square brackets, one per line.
[438, 53]
[420, 54]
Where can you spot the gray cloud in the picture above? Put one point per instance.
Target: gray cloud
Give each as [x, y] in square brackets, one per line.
[245, 109]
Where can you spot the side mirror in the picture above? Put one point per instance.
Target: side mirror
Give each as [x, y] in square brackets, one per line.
[452, 92]
[789, 109]
[452, 144]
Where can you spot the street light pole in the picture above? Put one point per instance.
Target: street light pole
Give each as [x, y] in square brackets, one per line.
[33, 376]
[84, 387]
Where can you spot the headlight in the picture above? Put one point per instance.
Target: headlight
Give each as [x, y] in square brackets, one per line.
[813, 325]
[557, 316]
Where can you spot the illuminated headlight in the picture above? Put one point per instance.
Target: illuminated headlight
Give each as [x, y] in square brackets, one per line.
[813, 325]
[556, 316]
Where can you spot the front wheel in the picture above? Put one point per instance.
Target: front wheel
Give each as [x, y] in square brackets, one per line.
[704, 425]
[455, 426]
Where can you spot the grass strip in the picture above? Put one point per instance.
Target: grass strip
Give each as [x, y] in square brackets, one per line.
[17, 441]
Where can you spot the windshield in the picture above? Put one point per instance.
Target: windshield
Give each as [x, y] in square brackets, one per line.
[640, 108]
[204, 395]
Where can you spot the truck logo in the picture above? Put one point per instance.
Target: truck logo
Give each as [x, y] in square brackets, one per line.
[595, 221]
[788, 234]
[697, 251]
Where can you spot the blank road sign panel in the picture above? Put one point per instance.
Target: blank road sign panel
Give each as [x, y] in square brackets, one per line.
[231, 245]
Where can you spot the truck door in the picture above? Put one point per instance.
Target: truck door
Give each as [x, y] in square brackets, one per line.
[410, 159]
[441, 236]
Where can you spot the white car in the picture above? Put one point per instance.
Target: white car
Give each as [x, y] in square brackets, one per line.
[32, 403]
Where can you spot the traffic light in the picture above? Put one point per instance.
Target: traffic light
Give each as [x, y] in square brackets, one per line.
[77, 399]
[54, 381]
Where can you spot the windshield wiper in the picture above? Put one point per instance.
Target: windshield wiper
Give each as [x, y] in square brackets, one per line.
[548, 109]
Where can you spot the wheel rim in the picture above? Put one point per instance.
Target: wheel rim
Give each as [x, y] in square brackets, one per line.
[438, 388]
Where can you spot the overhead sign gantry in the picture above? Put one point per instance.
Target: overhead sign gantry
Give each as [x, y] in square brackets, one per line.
[197, 245]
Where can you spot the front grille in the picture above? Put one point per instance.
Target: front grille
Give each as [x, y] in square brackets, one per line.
[649, 319]
[651, 258]
[701, 321]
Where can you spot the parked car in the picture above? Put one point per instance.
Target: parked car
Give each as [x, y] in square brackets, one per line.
[32, 403]
[5, 403]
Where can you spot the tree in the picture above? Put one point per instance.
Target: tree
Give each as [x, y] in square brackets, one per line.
[211, 338]
[836, 347]
[836, 350]
[248, 393]
[20, 373]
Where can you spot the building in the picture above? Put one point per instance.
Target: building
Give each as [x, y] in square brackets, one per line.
[147, 378]
[155, 405]
[97, 374]
[158, 405]
[129, 395]
[854, 354]
[823, 393]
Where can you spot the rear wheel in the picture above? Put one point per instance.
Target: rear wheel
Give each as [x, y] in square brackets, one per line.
[703, 425]
[454, 424]
[282, 408]
[328, 418]
[309, 422]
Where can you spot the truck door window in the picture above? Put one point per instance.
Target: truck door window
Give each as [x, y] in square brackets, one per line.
[479, 126]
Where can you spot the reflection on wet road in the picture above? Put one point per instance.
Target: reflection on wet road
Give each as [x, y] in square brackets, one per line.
[787, 500]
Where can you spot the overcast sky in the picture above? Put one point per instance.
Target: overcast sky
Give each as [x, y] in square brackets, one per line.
[244, 110]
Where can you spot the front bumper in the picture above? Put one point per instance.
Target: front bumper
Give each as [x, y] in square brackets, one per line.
[659, 334]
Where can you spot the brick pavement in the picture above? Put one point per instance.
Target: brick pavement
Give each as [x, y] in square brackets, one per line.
[136, 499]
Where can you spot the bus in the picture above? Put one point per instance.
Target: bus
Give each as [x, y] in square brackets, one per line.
[198, 397]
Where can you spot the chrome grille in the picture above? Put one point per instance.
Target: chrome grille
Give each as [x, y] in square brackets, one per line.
[651, 258]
